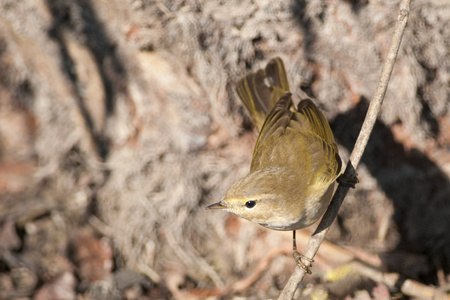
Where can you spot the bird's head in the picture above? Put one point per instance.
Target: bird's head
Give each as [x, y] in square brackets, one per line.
[262, 197]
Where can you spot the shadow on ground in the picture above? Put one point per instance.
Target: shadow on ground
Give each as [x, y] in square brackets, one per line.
[417, 187]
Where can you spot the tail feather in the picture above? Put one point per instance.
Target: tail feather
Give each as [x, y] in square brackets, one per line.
[260, 91]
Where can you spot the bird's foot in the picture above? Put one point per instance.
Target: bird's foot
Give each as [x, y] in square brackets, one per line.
[347, 182]
[299, 261]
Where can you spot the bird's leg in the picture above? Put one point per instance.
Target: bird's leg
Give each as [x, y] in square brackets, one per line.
[298, 257]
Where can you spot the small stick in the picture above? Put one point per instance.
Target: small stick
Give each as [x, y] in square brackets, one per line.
[350, 173]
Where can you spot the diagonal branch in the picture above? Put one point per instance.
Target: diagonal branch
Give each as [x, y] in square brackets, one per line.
[355, 157]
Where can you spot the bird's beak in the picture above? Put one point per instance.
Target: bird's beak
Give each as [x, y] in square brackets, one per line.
[218, 205]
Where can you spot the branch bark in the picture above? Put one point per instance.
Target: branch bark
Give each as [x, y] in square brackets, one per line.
[355, 157]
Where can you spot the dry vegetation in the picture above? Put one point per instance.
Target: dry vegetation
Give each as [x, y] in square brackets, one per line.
[119, 123]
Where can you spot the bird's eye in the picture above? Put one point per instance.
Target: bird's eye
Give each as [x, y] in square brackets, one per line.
[250, 204]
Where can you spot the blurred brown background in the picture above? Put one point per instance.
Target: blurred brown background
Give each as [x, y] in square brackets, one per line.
[119, 123]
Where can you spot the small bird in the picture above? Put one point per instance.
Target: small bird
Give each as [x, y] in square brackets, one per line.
[295, 161]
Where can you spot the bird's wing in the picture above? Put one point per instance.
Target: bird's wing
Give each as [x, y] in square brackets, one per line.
[312, 132]
[277, 120]
[309, 117]
[260, 91]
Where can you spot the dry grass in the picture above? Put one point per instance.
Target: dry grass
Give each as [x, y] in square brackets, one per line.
[119, 123]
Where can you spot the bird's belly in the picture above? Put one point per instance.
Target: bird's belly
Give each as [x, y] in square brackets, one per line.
[285, 226]
[303, 218]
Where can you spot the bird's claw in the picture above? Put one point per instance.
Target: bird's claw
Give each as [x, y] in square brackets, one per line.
[347, 182]
[298, 259]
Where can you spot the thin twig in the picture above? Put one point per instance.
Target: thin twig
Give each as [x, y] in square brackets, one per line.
[407, 286]
[372, 114]
[371, 266]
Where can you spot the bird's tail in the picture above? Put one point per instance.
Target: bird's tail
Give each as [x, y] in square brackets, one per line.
[260, 91]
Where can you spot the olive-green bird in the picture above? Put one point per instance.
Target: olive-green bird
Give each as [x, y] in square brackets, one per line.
[295, 161]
